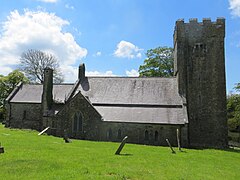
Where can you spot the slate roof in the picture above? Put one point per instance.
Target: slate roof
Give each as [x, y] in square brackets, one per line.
[124, 90]
[32, 93]
[136, 100]
[119, 99]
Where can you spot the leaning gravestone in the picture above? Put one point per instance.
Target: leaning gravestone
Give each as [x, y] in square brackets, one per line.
[170, 146]
[121, 145]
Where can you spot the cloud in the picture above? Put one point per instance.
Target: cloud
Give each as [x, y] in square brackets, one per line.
[127, 50]
[37, 30]
[99, 53]
[97, 73]
[69, 6]
[71, 73]
[132, 73]
[48, 1]
[235, 7]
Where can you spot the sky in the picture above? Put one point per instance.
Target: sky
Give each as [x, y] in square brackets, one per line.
[110, 36]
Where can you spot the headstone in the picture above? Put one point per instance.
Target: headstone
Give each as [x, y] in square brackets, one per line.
[43, 131]
[178, 140]
[170, 146]
[1, 149]
[66, 139]
[121, 145]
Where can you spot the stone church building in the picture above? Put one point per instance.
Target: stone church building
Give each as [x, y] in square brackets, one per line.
[147, 110]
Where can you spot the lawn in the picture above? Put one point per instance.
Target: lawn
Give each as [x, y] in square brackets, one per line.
[29, 156]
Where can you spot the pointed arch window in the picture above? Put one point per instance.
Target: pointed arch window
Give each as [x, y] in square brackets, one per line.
[156, 136]
[77, 124]
[119, 134]
[146, 137]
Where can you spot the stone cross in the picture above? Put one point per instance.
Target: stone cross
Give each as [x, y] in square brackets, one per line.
[121, 145]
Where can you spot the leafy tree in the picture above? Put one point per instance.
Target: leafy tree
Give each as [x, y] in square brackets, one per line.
[233, 112]
[33, 62]
[237, 87]
[159, 62]
[7, 84]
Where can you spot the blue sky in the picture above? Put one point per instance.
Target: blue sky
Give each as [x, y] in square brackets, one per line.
[109, 36]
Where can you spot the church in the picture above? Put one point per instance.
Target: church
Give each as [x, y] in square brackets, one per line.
[147, 110]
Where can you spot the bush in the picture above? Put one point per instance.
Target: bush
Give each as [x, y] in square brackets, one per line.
[233, 124]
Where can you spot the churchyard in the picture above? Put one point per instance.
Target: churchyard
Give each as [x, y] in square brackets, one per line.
[29, 156]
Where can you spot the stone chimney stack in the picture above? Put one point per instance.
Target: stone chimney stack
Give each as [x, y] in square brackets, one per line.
[81, 72]
[47, 96]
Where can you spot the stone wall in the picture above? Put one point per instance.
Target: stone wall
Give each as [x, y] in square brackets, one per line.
[150, 134]
[74, 109]
[24, 115]
[200, 63]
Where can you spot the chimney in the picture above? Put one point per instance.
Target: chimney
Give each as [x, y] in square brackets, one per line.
[81, 72]
[47, 97]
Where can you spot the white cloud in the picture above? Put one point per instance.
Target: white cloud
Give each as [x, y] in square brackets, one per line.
[37, 30]
[71, 73]
[127, 50]
[132, 73]
[99, 53]
[69, 6]
[235, 7]
[97, 73]
[48, 1]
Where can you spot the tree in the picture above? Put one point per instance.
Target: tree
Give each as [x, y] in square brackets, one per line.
[237, 87]
[7, 84]
[233, 112]
[33, 62]
[159, 62]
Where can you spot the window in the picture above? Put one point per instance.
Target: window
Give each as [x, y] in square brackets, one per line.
[109, 134]
[77, 122]
[80, 123]
[24, 114]
[119, 134]
[146, 137]
[156, 136]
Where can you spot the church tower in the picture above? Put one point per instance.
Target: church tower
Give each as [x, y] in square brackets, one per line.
[199, 65]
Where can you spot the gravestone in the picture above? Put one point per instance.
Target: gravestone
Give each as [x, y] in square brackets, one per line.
[1, 149]
[121, 145]
[170, 146]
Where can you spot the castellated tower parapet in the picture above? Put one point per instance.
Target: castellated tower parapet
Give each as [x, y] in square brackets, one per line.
[199, 65]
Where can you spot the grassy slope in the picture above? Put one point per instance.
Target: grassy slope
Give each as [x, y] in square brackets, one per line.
[29, 156]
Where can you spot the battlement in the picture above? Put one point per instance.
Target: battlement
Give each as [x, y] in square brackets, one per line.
[220, 20]
[194, 28]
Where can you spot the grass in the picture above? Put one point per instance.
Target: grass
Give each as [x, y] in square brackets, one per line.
[29, 156]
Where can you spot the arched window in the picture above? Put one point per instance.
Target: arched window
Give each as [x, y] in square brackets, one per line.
[77, 122]
[156, 136]
[146, 137]
[109, 134]
[24, 114]
[80, 123]
[119, 134]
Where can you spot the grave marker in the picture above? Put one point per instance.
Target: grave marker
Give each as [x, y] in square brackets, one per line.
[121, 145]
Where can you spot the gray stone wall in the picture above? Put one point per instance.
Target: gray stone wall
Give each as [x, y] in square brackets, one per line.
[150, 134]
[78, 107]
[200, 62]
[24, 115]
